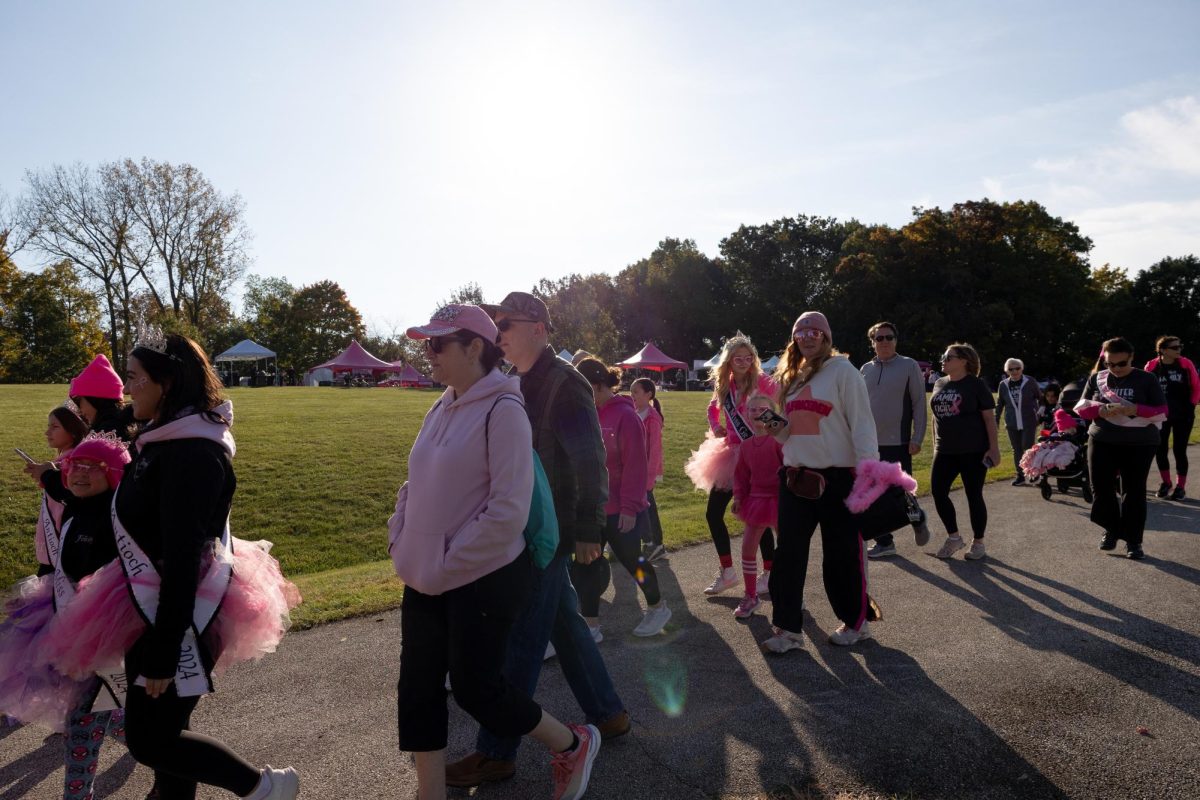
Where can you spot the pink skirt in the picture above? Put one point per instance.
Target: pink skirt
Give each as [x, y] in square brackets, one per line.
[759, 511]
[101, 624]
[29, 690]
[711, 467]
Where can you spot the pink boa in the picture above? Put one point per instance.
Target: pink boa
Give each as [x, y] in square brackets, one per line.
[872, 479]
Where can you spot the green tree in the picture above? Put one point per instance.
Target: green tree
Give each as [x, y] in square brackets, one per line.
[581, 308]
[54, 324]
[1167, 295]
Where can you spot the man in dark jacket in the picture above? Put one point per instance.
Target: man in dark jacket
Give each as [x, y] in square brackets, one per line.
[566, 436]
[1017, 400]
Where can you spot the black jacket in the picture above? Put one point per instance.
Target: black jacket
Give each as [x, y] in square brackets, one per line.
[88, 542]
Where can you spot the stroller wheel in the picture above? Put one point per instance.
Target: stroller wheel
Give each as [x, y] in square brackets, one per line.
[1045, 488]
[1087, 494]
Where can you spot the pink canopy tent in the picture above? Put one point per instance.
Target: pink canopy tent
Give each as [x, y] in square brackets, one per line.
[355, 359]
[650, 357]
[408, 376]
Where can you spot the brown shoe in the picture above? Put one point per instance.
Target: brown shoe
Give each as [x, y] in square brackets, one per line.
[614, 727]
[476, 769]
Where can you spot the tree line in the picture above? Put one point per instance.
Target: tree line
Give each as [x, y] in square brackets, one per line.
[135, 242]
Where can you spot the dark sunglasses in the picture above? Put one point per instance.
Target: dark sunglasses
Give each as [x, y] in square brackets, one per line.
[438, 343]
[507, 323]
[885, 337]
[1117, 364]
[1173, 347]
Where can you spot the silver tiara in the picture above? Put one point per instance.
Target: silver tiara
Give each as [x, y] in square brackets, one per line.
[149, 336]
[109, 438]
[69, 405]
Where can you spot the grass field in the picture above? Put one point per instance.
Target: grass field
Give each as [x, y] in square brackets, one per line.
[318, 470]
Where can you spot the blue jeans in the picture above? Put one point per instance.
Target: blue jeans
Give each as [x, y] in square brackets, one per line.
[552, 615]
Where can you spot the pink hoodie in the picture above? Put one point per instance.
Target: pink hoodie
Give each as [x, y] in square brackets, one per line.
[462, 512]
[625, 448]
[653, 423]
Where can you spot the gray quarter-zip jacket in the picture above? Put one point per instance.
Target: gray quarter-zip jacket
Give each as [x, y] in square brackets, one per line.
[897, 391]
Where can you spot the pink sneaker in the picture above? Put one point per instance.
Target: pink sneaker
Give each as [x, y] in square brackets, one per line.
[572, 769]
[747, 606]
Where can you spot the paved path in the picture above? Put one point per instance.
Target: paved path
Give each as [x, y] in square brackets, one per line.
[1026, 675]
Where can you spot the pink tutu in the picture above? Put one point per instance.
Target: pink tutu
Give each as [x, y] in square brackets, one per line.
[31, 691]
[759, 510]
[712, 466]
[101, 623]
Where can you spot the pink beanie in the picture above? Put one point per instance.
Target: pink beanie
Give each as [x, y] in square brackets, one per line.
[107, 448]
[1064, 422]
[98, 379]
[814, 320]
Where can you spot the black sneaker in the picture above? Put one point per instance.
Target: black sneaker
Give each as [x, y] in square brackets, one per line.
[1109, 542]
[1135, 552]
[1178, 494]
[1164, 489]
[1019, 480]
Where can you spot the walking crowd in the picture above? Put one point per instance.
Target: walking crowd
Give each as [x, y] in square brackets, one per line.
[518, 485]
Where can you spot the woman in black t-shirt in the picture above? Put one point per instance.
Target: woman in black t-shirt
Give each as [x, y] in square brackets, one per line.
[1125, 407]
[964, 444]
[1179, 382]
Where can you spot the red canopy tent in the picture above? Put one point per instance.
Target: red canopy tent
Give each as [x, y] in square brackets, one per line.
[355, 359]
[650, 357]
[407, 376]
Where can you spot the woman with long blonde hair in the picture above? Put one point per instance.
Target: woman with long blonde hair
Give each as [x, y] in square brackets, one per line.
[737, 376]
[829, 430]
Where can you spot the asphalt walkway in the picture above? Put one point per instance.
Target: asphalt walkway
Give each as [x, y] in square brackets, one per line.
[1048, 670]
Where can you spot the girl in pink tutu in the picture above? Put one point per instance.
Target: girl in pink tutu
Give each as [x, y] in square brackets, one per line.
[64, 429]
[756, 496]
[736, 377]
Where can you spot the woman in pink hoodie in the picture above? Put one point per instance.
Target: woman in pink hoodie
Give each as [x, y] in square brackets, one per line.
[1178, 379]
[457, 542]
[628, 521]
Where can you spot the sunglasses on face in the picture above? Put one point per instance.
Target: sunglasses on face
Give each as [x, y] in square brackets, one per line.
[1014, 369]
[1173, 346]
[948, 357]
[885, 337]
[1117, 364]
[437, 344]
[742, 359]
[507, 323]
[85, 468]
[808, 334]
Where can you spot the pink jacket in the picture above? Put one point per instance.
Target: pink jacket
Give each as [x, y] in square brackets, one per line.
[757, 473]
[766, 385]
[1188, 367]
[654, 457]
[625, 450]
[462, 512]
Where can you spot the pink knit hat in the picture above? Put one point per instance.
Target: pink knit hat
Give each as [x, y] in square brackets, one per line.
[1064, 422]
[813, 320]
[107, 448]
[457, 317]
[98, 379]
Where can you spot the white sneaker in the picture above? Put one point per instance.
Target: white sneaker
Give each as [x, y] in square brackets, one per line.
[727, 578]
[763, 584]
[653, 621]
[284, 784]
[783, 641]
[951, 546]
[846, 636]
[550, 651]
[597, 636]
[977, 550]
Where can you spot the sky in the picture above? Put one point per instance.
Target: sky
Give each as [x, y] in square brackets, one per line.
[405, 149]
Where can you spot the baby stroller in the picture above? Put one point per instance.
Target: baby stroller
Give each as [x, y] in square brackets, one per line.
[1061, 453]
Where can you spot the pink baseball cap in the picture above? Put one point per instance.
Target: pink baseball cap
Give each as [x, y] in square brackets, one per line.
[457, 317]
[98, 379]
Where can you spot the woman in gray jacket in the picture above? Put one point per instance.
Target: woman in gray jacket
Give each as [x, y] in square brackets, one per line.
[1017, 400]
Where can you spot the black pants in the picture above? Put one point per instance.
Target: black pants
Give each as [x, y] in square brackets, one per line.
[1020, 441]
[1182, 430]
[947, 467]
[591, 580]
[1124, 520]
[893, 454]
[843, 565]
[464, 632]
[654, 535]
[718, 502]
[156, 732]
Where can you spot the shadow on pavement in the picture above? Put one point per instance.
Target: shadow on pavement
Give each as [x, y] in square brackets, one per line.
[19, 777]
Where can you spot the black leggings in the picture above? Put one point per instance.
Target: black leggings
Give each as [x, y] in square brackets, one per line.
[947, 467]
[1182, 429]
[591, 580]
[1123, 518]
[156, 732]
[718, 502]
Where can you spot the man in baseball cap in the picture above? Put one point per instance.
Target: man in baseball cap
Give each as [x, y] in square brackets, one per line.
[521, 307]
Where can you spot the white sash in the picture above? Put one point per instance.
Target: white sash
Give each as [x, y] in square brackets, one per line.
[1112, 397]
[113, 684]
[46, 527]
[191, 677]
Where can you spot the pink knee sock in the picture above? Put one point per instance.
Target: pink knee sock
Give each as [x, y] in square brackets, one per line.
[1166, 475]
[750, 577]
[1182, 483]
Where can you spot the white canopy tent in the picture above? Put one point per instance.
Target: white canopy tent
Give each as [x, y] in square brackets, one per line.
[245, 350]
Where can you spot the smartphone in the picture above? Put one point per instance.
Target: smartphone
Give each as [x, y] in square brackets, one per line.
[24, 455]
[772, 420]
[987, 462]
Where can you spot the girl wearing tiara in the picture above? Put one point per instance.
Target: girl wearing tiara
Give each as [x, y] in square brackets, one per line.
[736, 377]
[64, 429]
